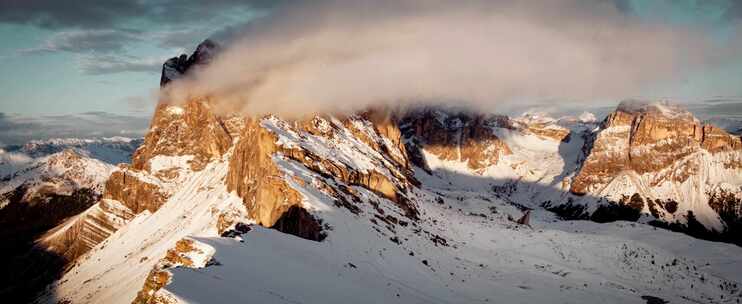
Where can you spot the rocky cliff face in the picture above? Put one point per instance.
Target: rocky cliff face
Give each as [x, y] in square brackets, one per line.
[640, 138]
[660, 152]
[455, 136]
[378, 162]
[254, 176]
[191, 129]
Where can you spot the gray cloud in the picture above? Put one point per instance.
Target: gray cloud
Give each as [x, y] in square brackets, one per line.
[112, 64]
[143, 105]
[87, 41]
[95, 13]
[18, 129]
[105, 33]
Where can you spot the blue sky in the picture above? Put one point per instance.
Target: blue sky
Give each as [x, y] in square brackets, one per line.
[80, 56]
[56, 62]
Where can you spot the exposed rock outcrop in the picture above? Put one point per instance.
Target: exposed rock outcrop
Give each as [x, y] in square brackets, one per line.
[265, 189]
[180, 130]
[136, 194]
[717, 140]
[255, 178]
[661, 152]
[186, 253]
[459, 136]
[176, 67]
[647, 138]
[542, 126]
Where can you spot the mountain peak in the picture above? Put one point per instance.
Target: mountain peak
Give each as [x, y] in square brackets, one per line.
[664, 108]
[176, 67]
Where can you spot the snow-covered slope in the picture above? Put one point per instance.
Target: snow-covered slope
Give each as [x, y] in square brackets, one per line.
[42, 193]
[60, 173]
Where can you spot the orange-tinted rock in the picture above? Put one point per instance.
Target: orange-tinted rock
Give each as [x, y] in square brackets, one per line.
[646, 138]
[188, 129]
[255, 178]
[717, 140]
[549, 131]
[458, 137]
[264, 188]
[134, 193]
[71, 240]
[156, 280]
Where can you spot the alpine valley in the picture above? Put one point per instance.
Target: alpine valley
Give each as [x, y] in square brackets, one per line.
[421, 205]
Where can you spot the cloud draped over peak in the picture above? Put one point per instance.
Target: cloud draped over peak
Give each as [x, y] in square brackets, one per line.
[319, 56]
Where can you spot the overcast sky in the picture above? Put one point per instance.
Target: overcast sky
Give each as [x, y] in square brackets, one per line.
[81, 56]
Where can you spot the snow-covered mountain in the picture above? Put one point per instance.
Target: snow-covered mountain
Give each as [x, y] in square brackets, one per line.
[661, 161]
[425, 206]
[40, 195]
[111, 150]
[43, 185]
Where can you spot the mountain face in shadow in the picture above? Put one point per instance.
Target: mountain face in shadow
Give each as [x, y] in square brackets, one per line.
[29, 266]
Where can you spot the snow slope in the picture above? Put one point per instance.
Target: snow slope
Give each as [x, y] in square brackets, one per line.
[488, 259]
[59, 173]
[115, 270]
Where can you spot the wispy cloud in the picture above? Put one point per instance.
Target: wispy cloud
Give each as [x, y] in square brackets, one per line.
[91, 14]
[87, 41]
[112, 64]
[143, 105]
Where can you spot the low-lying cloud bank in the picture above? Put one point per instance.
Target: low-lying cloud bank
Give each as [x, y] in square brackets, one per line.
[19, 129]
[334, 55]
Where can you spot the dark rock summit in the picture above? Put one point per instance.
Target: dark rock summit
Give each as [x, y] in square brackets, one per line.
[176, 67]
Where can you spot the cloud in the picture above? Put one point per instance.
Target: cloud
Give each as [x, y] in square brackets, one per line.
[18, 129]
[178, 39]
[112, 64]
[319, 56]
[106, 51]
[87, 41]
[55, 14]
[142, 104]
